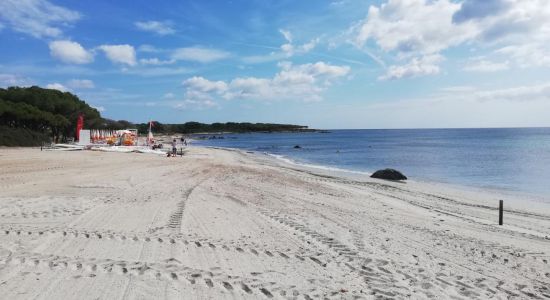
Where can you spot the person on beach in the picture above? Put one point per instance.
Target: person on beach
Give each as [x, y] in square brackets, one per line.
[174, 149]
[183, 144]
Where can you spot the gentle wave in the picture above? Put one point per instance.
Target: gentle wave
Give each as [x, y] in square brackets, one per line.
[315, 166]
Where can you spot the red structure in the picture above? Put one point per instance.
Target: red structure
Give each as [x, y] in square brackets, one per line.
[79, 126]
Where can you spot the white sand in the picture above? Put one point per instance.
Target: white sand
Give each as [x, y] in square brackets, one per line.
[221, 224]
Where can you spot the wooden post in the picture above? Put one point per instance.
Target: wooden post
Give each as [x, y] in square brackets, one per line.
[500, 211]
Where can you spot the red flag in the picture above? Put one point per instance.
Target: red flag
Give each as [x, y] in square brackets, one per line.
[79, 125]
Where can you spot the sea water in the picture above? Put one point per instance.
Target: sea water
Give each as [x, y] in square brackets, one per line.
[506, 159]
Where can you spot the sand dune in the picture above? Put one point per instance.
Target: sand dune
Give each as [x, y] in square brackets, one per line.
[219, 224]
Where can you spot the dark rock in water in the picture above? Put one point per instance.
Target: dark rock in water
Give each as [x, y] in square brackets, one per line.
[297, 147]
[389, 174]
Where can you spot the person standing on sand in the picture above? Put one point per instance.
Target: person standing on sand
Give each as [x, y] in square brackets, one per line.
[174, 149]
[183, 141]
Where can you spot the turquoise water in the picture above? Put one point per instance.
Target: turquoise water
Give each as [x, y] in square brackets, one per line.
[508, 159]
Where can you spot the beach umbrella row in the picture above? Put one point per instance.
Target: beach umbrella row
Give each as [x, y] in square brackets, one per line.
[98, 135]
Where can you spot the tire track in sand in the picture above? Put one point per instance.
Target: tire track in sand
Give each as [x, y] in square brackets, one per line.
[169, 270]
[173, 240]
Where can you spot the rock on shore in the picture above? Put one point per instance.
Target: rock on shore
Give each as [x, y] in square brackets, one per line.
[389, 174]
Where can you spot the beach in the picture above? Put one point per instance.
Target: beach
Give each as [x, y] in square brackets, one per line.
[227, 224]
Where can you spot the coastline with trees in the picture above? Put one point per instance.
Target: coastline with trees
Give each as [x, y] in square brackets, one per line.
[31, 116]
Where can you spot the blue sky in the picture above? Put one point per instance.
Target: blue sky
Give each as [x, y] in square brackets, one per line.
[326, 64]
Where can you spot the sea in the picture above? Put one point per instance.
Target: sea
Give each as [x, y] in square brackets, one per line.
[503, 159]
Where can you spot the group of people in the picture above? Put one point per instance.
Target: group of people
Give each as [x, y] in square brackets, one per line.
[174, 152]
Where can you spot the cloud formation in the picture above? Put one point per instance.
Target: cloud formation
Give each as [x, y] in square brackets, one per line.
[120, 54]
[293, 82]
[57, 86]
[518, 29]
[70, 52]
[160, 28]
[285, 51]
[199, 84]
[412, 27]
[534, 54]
[478, 9]
[38, 18]
[425, 65]
[155, 61]
[289, 49]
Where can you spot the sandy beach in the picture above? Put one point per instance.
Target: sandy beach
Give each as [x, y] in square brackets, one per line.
[222, 224]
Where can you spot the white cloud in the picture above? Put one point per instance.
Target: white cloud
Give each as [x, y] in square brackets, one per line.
[426, 65]
[57, 86]
[70, 52]
[122, 54]
[199, 54]
[155, 61]
[169, 95]
[309, 45]
[476, 9]
[289, 49]
[203, 85]
[7, 80]
[519, 29]
[286, 50]
[482, 65]
[304, 82]
[38, 18]
[81, 84]
[287, 35]
[528, 54]
[160, 28]
[413, 27]
[200, 93]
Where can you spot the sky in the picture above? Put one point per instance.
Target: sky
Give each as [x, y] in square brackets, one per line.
[325, 64]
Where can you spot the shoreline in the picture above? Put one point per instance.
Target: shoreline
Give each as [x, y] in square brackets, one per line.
[226, 224]
[508, 161]
[489, 192]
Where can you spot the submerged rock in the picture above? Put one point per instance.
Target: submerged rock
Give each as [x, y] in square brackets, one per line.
[389, 174]
[297, 147]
